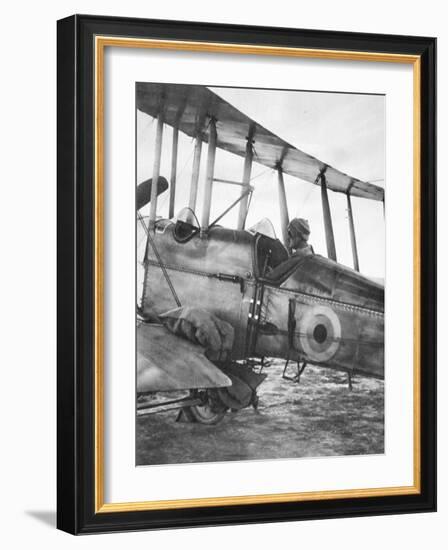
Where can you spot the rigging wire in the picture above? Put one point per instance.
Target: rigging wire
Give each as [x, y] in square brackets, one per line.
[159, 261]
[306, 199]
[186, 162]
[261, 174]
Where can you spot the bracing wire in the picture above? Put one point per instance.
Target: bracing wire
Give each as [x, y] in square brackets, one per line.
[159, 261]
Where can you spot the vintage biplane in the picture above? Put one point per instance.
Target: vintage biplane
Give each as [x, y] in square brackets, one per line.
[308, 309]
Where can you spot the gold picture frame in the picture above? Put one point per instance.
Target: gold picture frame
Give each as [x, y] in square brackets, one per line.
[102, 33]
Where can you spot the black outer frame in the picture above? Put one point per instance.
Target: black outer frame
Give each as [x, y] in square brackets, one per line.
[75, 174]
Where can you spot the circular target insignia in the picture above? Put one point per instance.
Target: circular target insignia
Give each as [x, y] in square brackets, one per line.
[320, 333]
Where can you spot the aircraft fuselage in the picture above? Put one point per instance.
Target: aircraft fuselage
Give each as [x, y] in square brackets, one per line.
[306, 308]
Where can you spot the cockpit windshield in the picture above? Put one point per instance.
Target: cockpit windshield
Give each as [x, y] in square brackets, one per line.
[264, 227]
[186, 226]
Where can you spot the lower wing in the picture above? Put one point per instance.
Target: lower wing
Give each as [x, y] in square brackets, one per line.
[166, 362]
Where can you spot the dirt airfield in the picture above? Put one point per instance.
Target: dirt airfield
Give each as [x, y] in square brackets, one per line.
[320, 416]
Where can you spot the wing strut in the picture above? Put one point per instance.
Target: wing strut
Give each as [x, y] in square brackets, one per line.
[195, 173]
[284, 216]
[173, 172]
[246, 182]
[211, 154]
[352, 232]
[156, 172]
[248, 191]
[329, 235]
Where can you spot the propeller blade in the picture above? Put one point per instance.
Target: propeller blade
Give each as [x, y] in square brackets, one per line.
[144, 191]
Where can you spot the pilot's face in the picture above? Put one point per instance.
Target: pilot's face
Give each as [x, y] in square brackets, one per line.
[296, 241]
[290, 241]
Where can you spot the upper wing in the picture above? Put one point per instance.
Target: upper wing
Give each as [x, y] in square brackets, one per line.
[189, 108]
[168, 362]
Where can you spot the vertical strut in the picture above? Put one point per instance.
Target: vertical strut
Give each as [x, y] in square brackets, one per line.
[284, 216]
[156, 171]
[211, 154]
[329, 235]
[173, 172]
[352, 232]
[246, 182]
[195, 173]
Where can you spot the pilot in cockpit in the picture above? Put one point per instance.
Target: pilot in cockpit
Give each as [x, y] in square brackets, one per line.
[298, 235]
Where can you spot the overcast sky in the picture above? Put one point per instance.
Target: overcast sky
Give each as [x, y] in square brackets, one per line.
[346, 131]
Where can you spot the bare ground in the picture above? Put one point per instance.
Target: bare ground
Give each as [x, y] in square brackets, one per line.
[318, 417]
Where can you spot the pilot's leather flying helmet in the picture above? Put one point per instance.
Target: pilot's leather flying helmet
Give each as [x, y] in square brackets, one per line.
[299, 228]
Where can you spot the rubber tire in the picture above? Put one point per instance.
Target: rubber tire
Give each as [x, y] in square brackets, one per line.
[203, 414]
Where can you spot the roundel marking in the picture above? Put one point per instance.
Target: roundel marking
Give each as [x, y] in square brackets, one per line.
[320, 333]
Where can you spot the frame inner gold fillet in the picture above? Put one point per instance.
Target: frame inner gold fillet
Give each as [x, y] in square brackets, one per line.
[101, 42]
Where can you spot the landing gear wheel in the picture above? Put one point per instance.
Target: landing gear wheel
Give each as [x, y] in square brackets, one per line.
[211, 411]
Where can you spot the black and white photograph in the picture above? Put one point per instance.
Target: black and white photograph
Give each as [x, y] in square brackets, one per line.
[260, 273]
